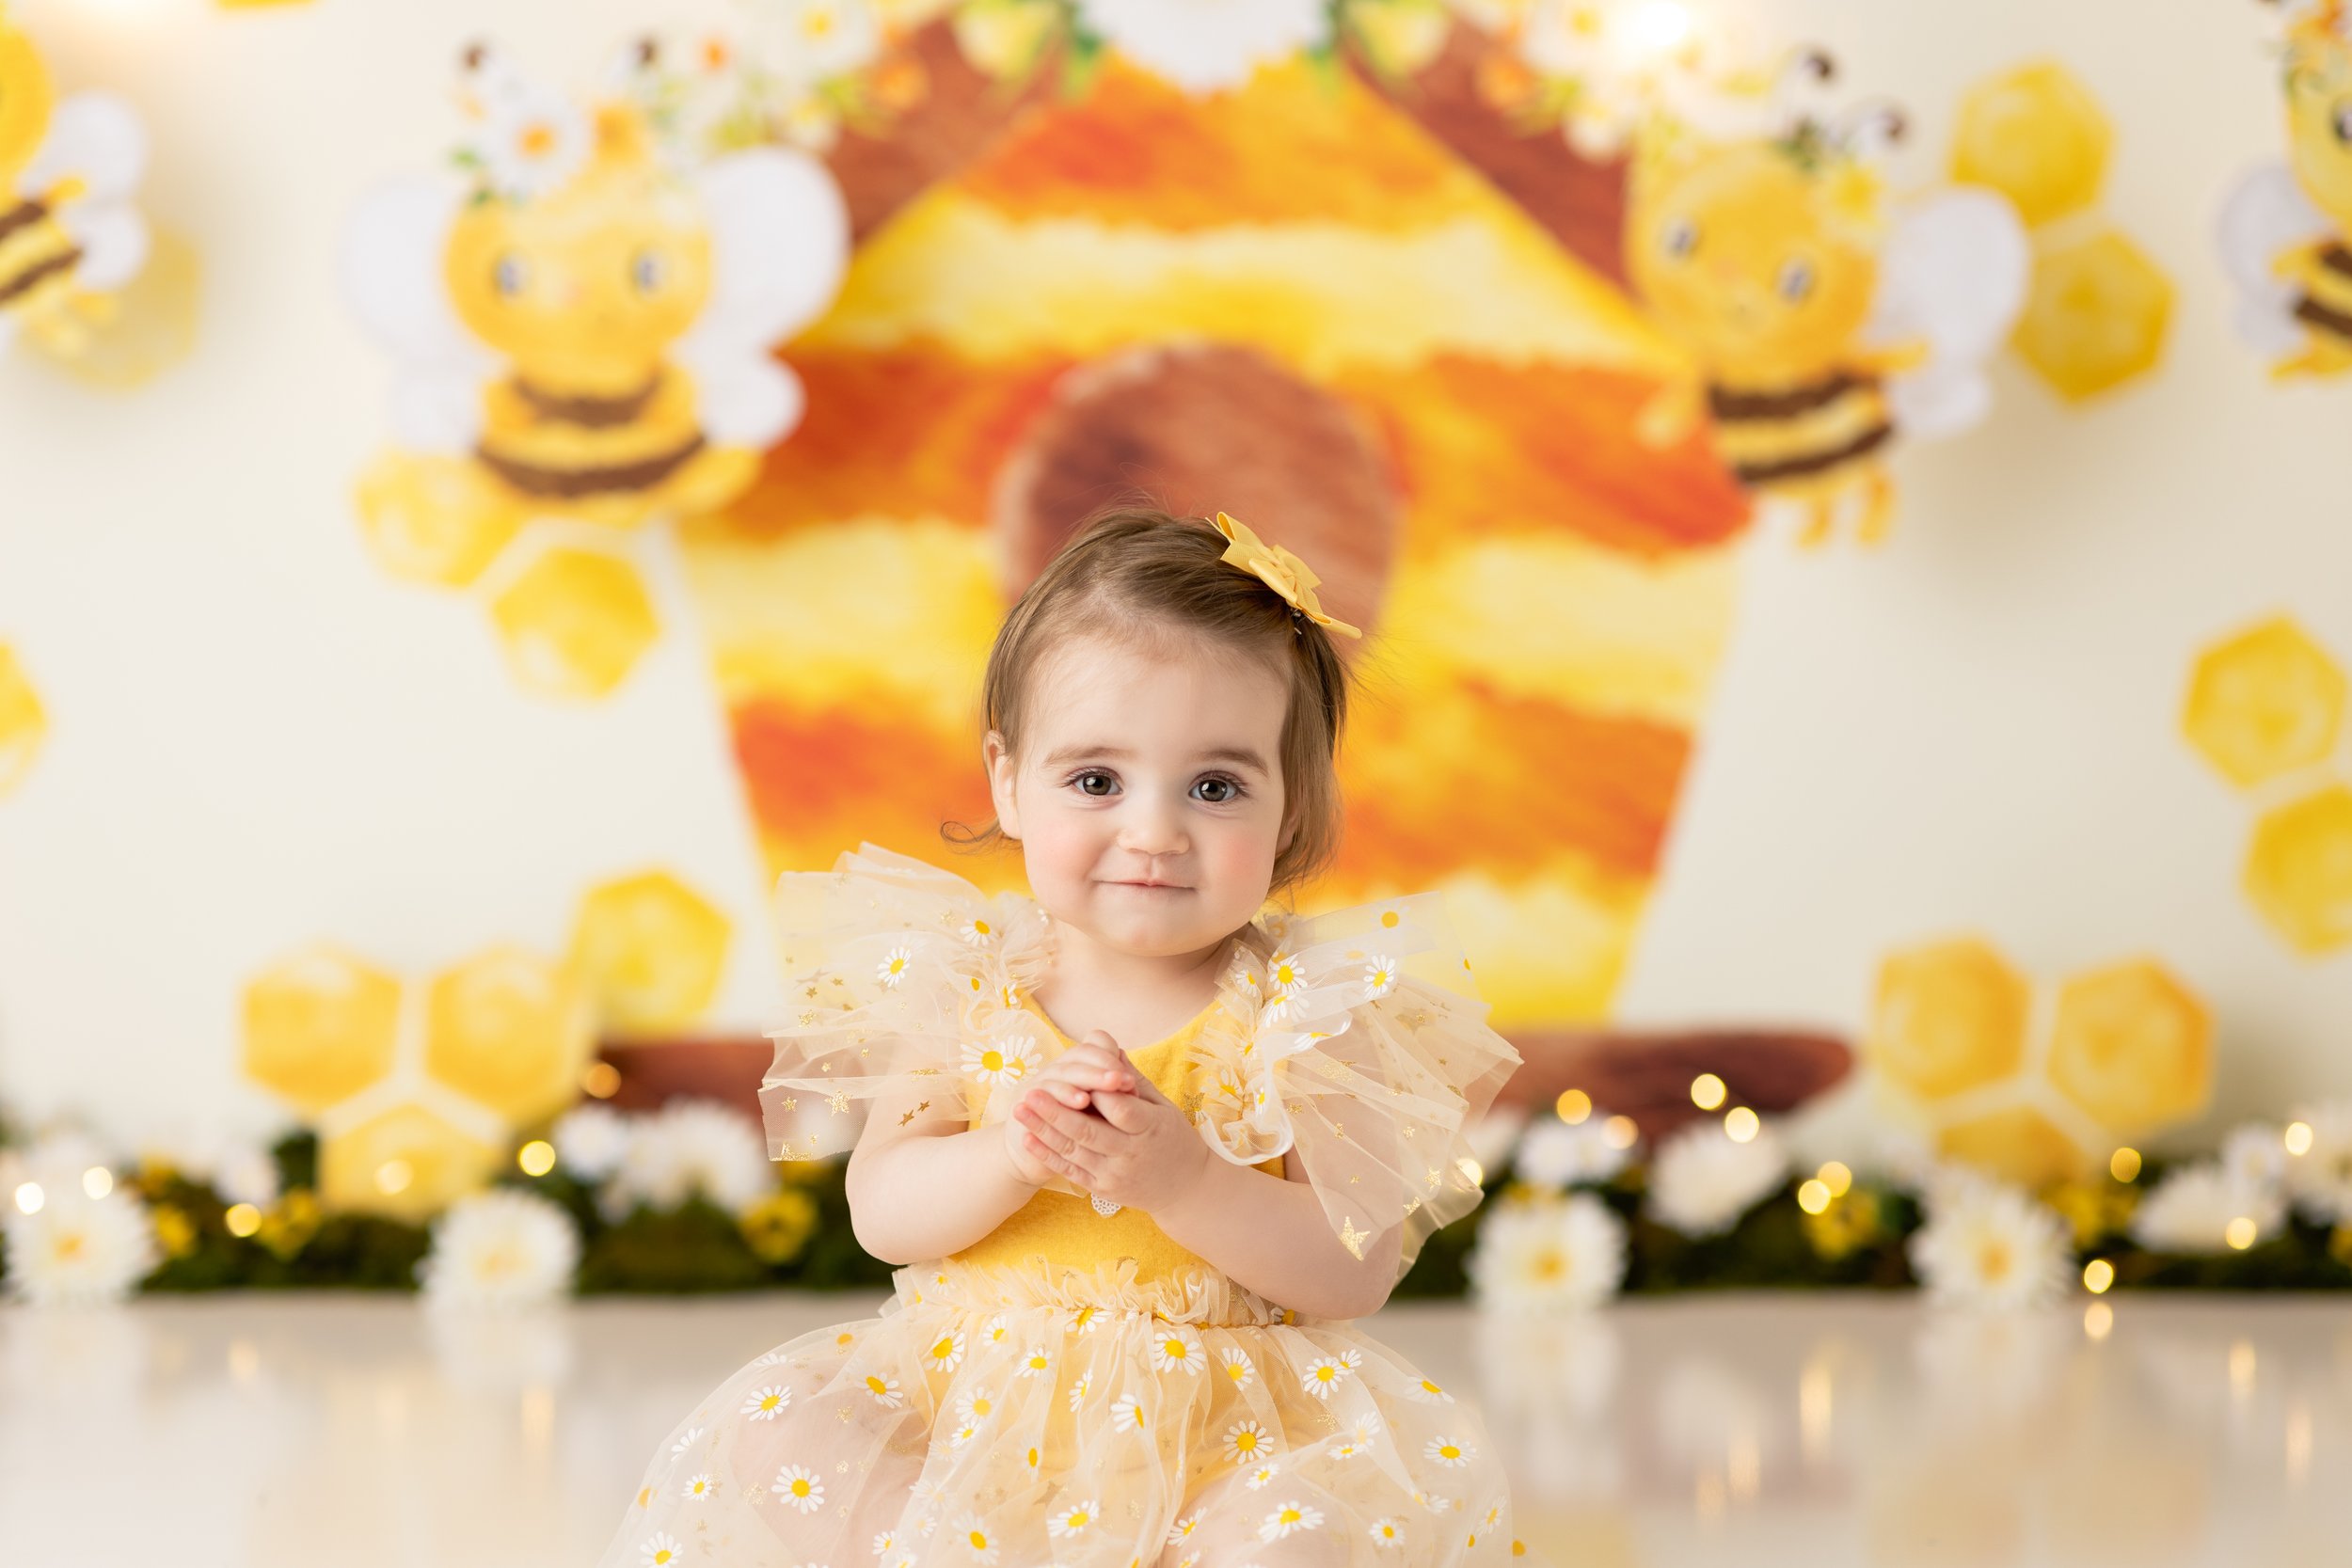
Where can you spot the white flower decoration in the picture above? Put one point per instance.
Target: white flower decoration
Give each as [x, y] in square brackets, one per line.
[2320, 1178]
[1003, 1062]
[699, 1488]
[499, 1249]
[1327, 1372]
[1703, 1180]
[689, 1147]
[1078, 1391]
[1262, 1476]
[1182, 1528]
[977, 1406]
[1387, 1532]
[1379, 977]
[77, 1250]
[2191, 1211]
[1035, 1360]
[1455, 1455]
[996, 1329]
[1554, 1153]
[1178, 1350]
[800, 1486]
[1989, 1246]
[1429, 1393]
[530, 144]
[963, 1434]
[1550, 1255]
[693, 1435]
[766, 1404]
[1239, 1370]
[662, 1550]
[1288, 1517]
[1084, 1320]
[1070, 1521]
[1244, 1440]
[1127, 1414]
[1206, 46]
[894, 967]
[591, 1141]
[977, 1538]
[945, 1353]
[885, 1390]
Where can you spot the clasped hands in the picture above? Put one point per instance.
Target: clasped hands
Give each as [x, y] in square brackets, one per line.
[1091, 1117]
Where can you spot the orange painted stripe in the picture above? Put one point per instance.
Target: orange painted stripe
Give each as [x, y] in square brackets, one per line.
[1483, 779]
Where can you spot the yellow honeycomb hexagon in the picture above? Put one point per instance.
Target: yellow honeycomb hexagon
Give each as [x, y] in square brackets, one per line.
[574, 623]
[2132, 1046]
[2095, 316]
[509, 1030]
[2017, 1144]
[1948, 1017]
[433, 519]
[407, 1162]
[2036, 135]
[2300, 871]
[24, 726]
[652, 949]
[320, 1026]
[2265, 702]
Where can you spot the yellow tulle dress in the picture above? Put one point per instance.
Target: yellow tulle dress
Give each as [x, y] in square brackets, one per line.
[1075, 1388]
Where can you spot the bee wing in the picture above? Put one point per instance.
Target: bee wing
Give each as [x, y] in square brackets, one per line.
[779, 245]
[1952, 277]
[93, 138]
[113, 241]
[390, 267]
[2265, 215]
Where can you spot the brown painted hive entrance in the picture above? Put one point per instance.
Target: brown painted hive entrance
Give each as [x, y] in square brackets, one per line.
[1201, 430]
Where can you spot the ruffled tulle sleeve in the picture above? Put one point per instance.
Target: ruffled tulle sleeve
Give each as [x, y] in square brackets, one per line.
[903, 978]
[1360, 1045]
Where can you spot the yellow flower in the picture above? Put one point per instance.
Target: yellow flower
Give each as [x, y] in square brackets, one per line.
[779, 1225]
[289, 1225]
[1847, 1225]
[2094, 1210]
[1278, 570]
[174, 1229]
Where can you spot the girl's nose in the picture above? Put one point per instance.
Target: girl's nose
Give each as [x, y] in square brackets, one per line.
[1151, 831]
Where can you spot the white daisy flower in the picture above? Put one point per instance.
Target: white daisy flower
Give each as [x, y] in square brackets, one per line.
[1283, 973]
[1183, 1529]
[590, 1140]
[885, 1390]
[883, 1542]
[2256, 1155]
[978, 1537]
[1206, 46]
[976, 931]
[1078, 1391]
[1494, 1515]
[963, 1434]
[698, 1488]
[2320, 1178]
[800, 1486]
[1387, 1533]
[1127, 1414]
[1703, 1181]
[662, 1550]
[689, 1146]
[1262, 1476]
[499, 1249]
[1035, 1360]
[75, 1249]
[1033, 1456]
[893, 966]
[1008, 1061]
[1435, 1505]
[1368, 1427]
[1554, 1153]
[1177, 1349]
[977, 1406]
[1083, 1319]
[1239, 1369]
[996, 1329]
[1429, 1393]
[1348, 1450]
[945, 1353]
[766, 1404]
[1448, 1452]
[1327, 1372]
[530, 142]
[1244, 1440]
[1379, 977]
[805, 42]
[2192, 1209]
[693, 1435]
[1988, 1245]
[1070, 1521]
[1548, 1255]
[1288, 1517]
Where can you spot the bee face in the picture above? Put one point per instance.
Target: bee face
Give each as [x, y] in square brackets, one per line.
[584, 286]
[2319, 124]
[27, 99]
[1742, 254]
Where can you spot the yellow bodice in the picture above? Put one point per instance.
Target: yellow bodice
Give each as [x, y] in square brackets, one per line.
[1065, 1229]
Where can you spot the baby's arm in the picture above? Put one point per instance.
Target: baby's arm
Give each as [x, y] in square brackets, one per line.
[1273, 1236]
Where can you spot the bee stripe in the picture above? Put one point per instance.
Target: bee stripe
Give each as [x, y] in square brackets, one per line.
[590, 413]
[1815, 463]
[39, 272]
[1731, 406]
[2333, 321]
[23, 216]
[532, 479]
[2336, 259]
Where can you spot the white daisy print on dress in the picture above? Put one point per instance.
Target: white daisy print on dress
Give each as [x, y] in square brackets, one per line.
[1000, 1062]
[1183, 1529]
[765, 1404]
[1379, 977]
[946, 1354]
[1327, 1372]
[1387, 1533]
[1263, 1477]
[1126, 1413]
[1239, 1369]
[1175, 1351]
[1078, 1389]
[885, 1390]
[963, 1434]
[1070, 1521]
[976, 931]
[883, 1542]
[1446, 1452]
[996, 1329]
[692, 1437]
[800, 1486]
[661, 1551]
[1285, 972]
[1084, 1320]
[977, 1538]
[1288, 1517]
[1429, 1393]
[893, 966]
[1034, 1362]
[977, 1406]
[698, 1488]
[1244, 1440]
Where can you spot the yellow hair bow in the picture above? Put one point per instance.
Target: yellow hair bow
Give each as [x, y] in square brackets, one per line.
[1278, 570]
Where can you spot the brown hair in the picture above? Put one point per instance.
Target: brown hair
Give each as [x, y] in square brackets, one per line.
[1142, 574]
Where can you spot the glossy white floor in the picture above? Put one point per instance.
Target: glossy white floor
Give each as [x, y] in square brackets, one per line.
[360, 1432]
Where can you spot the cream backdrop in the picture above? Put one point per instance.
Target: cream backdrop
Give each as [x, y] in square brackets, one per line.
[258, 739]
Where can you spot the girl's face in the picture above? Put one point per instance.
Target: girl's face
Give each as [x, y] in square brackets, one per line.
[1148, 795]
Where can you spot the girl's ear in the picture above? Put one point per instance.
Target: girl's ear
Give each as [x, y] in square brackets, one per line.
[997, 758]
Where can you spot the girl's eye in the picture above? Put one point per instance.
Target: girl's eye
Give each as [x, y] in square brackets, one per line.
[1680, 238]
[1231, 787]
[1796, 281]
[1084, 781]
[508, 274]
